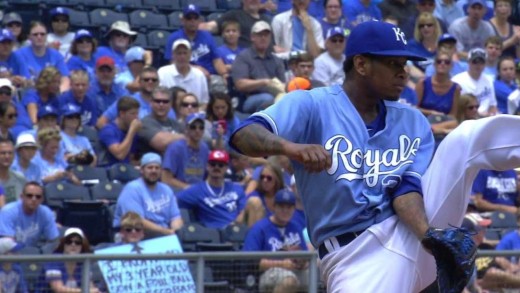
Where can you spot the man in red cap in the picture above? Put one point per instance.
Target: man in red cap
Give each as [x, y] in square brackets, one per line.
[216, 203]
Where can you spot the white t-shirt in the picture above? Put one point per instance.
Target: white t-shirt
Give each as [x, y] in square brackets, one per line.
[65, 42]
[482, 88]
[194, 82]
[328, 70]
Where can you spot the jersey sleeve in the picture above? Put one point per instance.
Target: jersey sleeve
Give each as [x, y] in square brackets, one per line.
[188, 197]
[479, 184]
[50, 229]
[111, 112]
[108, 136]
[170, 158]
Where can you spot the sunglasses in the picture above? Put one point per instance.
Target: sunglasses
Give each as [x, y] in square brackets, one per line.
[84, 40]
[199, 127]
[150, 79]
[120, 35]
[217, 164]
[425, 25]
[17, 24]
[132, 229]
[160, 101]
[6, 92]
[31, 196]
[478, 61]
[70, 242]
[472, 107]
[268, 178]
[63, 20]
[187, 105]
[38, 34]
[443, 61]
[12, 116]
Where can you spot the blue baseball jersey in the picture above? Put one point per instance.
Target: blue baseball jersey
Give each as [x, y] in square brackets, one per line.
[27, 229]
[75, 144]
[32, 97]
[266, 236]
[298, 216]
[214, 207]
[227, 54]
[203, 48]
[89, 109]
[185, 163]
[13, 281]
[367, 171]
[53, 271]
[89, 66]
[157, 205]
[35, 64]
[15, 66]
[502, 92]
[510, 241]
[497, 187]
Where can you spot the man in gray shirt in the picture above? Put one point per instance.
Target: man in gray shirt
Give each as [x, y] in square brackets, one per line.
[158, 130]
[13, 182]
[471, 31]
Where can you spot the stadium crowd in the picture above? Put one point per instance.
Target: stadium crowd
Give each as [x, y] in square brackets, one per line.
[78, 98]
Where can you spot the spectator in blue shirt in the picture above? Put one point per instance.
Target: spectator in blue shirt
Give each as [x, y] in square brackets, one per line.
[80, 96]
[334, 16]
[38, 56]
[10, 63]
[47, 89]
[14, 23]
[72, 144]
[359, 11]
[119, 37]
[505, 82]
[11, 274]
[136, 59]
[26, 148]
[230, 48]
[83, 53]
[8, 94]
[496, 191]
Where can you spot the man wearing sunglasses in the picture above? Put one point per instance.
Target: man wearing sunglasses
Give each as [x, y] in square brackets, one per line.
[329, 65]
[216, 203]
[185, 159]
[27, 220]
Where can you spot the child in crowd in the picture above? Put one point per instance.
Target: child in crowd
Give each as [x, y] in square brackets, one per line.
[230, 49]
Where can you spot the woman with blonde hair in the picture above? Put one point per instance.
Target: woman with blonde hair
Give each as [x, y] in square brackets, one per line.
[426, 34]
[45, 92]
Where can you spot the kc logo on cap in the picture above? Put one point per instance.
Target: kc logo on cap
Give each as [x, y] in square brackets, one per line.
[399, 35]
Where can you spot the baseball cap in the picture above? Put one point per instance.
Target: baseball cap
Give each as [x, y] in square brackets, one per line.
[25, 140]
[59, 11]
[105, 61]
[181, 42]
[260, 26]
[190, 9]
[334, 31]
[150, 158]
[70, 110]
[134, 54]
[473, 2]
[47, 111]
[284, 196]
[446, 38]
[11, 17]
[298, 83]
[9, 245]
[194, 117]
[7, 83]
[83, 33]
[121, 26]
[474, 222]
[381, 39]
[218, 156]
[477, 53]
[72, 231]
[6, 35]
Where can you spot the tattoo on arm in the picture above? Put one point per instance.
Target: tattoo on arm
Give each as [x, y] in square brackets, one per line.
[256, 141]
[410, 210]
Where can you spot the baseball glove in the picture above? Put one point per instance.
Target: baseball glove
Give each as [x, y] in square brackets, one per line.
[454, 252]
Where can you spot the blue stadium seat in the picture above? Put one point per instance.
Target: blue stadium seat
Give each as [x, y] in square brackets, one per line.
[31, 269]
[124, 5]
[102, 17]
[145, 20]
[218, 40]
[78, 19]
[207, 6]
[93, 217]
[235, 234]
[191, 234]
[187, 216]
[56, 193]
[106, 191]
[90, 175]
[88, 4]
[165, 6]
[214, 16]
[174, 20]
[157, 39]
[229, 4]
[503, 220]
[123, 173]
[141, 40]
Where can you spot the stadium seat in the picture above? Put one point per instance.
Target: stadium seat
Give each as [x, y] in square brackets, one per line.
[191, 234]
[174, 20]
[503, 220]
[58, 192]
[157, 39]
[492, 234]
[187, 216]
[79, 19]
[123, 173]
[165, 6]
[103, 18]
[93, 217]
[144, 20]
[207, 6]
[235, 234]
[124, 5]
[92, 134]
[88, 4]
[31, 269]
[229, 4]
[90, 175]
[214, 16]
[210, 285]
[106, 191]
[141, 40]
[218, 40]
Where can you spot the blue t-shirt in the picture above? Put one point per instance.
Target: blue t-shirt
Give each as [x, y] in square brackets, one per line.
[203, 48]
[266, 236]
[56, 271]
[111, 134]
[36, 64]
[408, 97]
[497, 187]
[370, 167]
[47, 168]
[89, 109]
[502, 91]
[119, 57]
[89, 66]
[185, 163]
[103, 99]
[75, 144]
[358, 13]
[31, 96]
[158, 205]
[510, 241]
[342, 23]
[298, 216]
[15, 65]
[27, 229]
[23, 122]
[419, 49]
[13, 280]
[214, 207]
[227, 54]
[32, 173]
[433, 101]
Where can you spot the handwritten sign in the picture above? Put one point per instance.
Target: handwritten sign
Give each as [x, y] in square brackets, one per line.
[165, 276]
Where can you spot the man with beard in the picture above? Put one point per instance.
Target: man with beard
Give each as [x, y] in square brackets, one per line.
[216, 203]
[154, 201]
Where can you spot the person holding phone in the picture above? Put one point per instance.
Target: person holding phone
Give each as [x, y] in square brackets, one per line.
[220, 120]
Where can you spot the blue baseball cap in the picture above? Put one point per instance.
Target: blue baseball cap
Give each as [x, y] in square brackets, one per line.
[59, 11]
[150, 158]
[70, 110]
[446, 38]
[83, 33]
[194, 117]
[381, 39]
[473, 2]
[47, 111]
[190, 9]
[334, 31]
[6, 35]
[284, 196]
[134, 54]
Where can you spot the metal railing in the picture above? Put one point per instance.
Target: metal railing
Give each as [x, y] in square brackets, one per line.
[200, 259]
